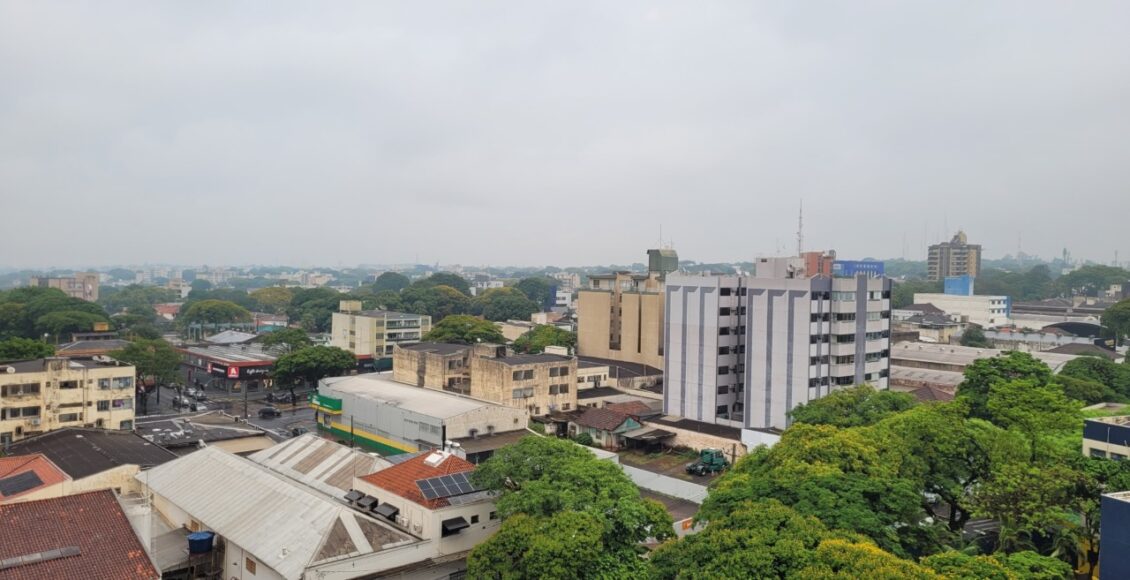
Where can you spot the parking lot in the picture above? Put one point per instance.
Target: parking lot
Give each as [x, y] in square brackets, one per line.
[670, 463]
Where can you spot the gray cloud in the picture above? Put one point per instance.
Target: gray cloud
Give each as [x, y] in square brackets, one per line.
[566, 132]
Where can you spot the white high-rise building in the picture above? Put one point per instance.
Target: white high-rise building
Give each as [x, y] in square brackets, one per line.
[745, 350]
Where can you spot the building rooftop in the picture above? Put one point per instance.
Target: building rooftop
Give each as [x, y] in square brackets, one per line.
[83, 452]
[40, 364]
[235, 354]
[926, 308]
[603, 419]
[957, 355]
[634, 408]
[401, 478]
[440, 348]
[913, 374]
[381, 389]
[490, 441]
[230, 337]
[102, 344]
[621, 370]
[23, 474]
[78, 536]
[323, 464]
[930, 394]
[597, 393]
[1085, 350]
[284, 524]
[529, 359]
[172, 432]
[706, 428]
[930, 320]
[388, 314]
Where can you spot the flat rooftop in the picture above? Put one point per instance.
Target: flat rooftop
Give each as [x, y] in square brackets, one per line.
[39, 365]
[387, 314]
[529, 359]
[618, 369]
[234, 354]
[379, 388]
[964, 355]
[441, 348]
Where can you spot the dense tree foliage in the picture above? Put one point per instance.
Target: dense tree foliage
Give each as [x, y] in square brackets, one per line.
[438, 302]
[462, 329]
[1034, 283]
[24, 349]
[1089, 280]
[33, 312]
[313, 308]
[312, 364]
[544, 335]
[902, 294]
[391, 282]
[214, 312]
[852, 407]
[1115, 377]
[288, 339]
[1117, 319]
[448, 279]
[152, 358]
[543, 291]
[975, 337]
[134, 297]
[983, 373]
[565, 514]
[503, 304]
[273, 299]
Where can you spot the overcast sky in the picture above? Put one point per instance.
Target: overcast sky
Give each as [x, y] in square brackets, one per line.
[565, 132]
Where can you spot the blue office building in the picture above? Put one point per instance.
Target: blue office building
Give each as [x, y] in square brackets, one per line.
[853, 268]
[1114, 555]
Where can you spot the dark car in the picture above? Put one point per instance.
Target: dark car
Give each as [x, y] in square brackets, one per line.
[269, 413]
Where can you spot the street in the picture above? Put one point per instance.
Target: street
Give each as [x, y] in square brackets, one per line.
[293, 415]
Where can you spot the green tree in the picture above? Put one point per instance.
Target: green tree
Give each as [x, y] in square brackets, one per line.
[1028, 501]
[503, 304]
[543, 335]
[1089, 392]
[290, 339]
[438, 302]
[151, 358]
[541, 290]
[200, 286]
[24, 349]
[448, 279]
[1035, 410]
[1028, 565]
[214, 312]
[852, 407]
[1114, 376]
[1090, 279]
[844, 559]
[960, 566]
[902, 294]
[313, 308]
[390, 281]
[62, 323]
[985, 372]
[461, 329]
[134, 297]
[273, 299]
[312, 364]
[566, 514]
[975, 337]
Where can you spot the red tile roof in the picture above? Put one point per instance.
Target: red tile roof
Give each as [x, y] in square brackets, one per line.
[93, 523]
[931, 393]
[633, 408]
[401, 478]
[48, 473]
[601, 419]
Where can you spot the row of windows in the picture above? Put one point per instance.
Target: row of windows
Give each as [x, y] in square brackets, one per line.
[726, 370]
[16, 390]
[825, 381]
[726, 330]
[562, 389]
[523, 375]
[523, 393]
[727, 311]
[1103, 455]
[737, 349]
[559, 371]
[17, 412]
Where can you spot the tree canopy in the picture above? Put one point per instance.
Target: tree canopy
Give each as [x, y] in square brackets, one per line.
[1117, 319]
[312, 364]
[290, 339]
[536, 339]
[461, 329]
[541, 290]
[152, 358]
[565, 514]
[975, 337]
[273, 299]
[214, 312]
[448, 279]
[852, 407]
[983, 373]
[503, 304]
[32, 312]
[390, 281]
[24, 349]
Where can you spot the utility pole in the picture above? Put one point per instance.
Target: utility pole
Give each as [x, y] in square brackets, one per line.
[800, 230]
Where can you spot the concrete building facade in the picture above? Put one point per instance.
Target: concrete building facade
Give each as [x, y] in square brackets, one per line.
[42, 395]
[375, 332]
[984, 311]
[82, 285]
[956, 257]
[620, 315]
[744, 351]
[536, 383]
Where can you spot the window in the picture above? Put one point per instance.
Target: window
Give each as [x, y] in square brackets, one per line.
[123, 382]
[517, 375]
[722, 350]
[723, 370]
[873, 357]
[523, 393]
[722, 411]
[474, 519]
[565, 406]
[494, 515]
[68, 384]
[70, 417]
[845, 338]
[725, 292]
[845, 316]
[104, 384]
[1098, 453]
[17, 412]
[126, 425]
[821, 316]
[724, 331]
[874, 315]
[123, 403]
[844, 296]
[249, 565]
[724, 311]
[723, 389]
[875, 335]
[562, 389]
[845, 380]
[17, 390]
[1117, 456]
[845, 360]
[554, 372]
[527, 374]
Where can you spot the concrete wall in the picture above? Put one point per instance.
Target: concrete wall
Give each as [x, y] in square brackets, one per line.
[492, 380]
[985, 311]
[119, 479]
[427, 523]
[694, 440]
[638, 324]
[430, 370]
[108, 384]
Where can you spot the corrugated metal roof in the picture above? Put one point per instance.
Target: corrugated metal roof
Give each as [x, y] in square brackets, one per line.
[325, 465]
[381, 389]
[965, 355]
[284, 524]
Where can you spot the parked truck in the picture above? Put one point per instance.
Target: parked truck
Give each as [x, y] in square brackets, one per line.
[709, 461]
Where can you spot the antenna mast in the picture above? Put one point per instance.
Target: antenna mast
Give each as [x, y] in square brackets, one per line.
[800, 230]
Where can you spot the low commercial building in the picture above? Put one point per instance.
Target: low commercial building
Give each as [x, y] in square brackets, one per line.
[230, 368]
[91, 459]
[431, 495]
[79, 536]
[81, 285]
[375, 333]
[91, 344]
[376, 412]
[269, 526]
[939, 328]
[984, 311]
[537, 383]
[41, 395]
[1107, 437]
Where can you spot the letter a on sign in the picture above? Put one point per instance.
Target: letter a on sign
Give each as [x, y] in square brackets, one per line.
[233, 372]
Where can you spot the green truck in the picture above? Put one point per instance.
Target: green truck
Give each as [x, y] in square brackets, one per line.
[709, 461]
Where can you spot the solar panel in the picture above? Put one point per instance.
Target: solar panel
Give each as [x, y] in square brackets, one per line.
[10, 486]
[445, 486]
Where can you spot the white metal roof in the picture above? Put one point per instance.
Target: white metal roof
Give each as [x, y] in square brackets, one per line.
[325, 465]
[965, 355]
[284, 524]
[916, 374]
[381, 389]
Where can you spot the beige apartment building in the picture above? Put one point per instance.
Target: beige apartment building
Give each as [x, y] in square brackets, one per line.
[82, 285]
[620, 315]
[956, 257]
[41, 395]
[375, 332]
[537, 383]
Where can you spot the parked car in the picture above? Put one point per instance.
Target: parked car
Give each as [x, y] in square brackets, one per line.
[190, 393]
[200, 396]
[269, 413]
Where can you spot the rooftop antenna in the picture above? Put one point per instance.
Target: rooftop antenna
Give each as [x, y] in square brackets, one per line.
[800, 229]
